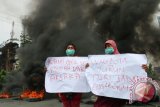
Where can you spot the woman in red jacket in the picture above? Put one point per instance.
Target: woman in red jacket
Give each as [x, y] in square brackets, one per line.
[70, 99]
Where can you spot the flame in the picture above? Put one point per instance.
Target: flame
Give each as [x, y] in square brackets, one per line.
[5, 95]
[37, 94]
[25, 94]
[32, 94]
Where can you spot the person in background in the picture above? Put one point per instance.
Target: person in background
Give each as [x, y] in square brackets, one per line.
[70, 99]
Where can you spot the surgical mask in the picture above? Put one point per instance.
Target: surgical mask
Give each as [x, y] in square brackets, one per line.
[109, 50]
[70, 52]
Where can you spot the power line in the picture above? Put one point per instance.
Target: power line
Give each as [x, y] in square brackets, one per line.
[9, 21]
[8, 13]
[10, 18]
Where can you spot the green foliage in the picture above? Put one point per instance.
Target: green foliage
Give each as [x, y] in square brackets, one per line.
[152, 74]
[25, 39]
[2, 75]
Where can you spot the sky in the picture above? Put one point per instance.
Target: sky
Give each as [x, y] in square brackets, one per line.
[12, 10]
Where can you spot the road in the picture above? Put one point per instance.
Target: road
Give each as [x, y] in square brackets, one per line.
[44, 103]
[56, 103]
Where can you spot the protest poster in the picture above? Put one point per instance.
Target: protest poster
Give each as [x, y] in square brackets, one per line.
[113, 75]
[66, 74]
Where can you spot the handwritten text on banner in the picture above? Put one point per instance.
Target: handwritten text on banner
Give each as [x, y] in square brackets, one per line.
[113, 75]
[66, 74]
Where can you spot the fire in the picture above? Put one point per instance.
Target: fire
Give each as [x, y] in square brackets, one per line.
[32, 94]
[37, 95]
[25, 94]
[5, 95]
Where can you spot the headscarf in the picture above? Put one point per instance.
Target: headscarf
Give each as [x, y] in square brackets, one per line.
[113, 44]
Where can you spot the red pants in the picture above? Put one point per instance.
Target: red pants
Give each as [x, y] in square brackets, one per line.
[109, 102]
[74, 102]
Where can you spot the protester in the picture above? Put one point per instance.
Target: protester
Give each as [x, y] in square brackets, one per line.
[111, 48]
[70, 99]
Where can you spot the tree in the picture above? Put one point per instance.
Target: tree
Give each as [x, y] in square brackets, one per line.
[25, 39]
[2, 75]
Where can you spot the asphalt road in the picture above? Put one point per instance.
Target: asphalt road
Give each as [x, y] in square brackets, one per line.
[44, 103]
[56, 103]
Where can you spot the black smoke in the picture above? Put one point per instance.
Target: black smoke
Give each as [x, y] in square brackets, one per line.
[87, 24]
[53, 25]
[122, 19]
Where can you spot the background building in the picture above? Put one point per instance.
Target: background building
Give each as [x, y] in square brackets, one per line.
[7, 57]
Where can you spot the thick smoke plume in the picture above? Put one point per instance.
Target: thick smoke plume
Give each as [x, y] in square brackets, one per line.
[128, 21]
[53, 25]
[87, 24]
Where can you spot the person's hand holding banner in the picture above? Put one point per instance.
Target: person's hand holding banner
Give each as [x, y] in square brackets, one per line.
[66, 74]
[113, 75]
[107, 75]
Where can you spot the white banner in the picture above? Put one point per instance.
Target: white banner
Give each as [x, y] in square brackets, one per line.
[66, 74]
[113, 75]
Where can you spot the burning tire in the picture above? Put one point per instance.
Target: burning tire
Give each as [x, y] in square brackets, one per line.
[35, 91]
